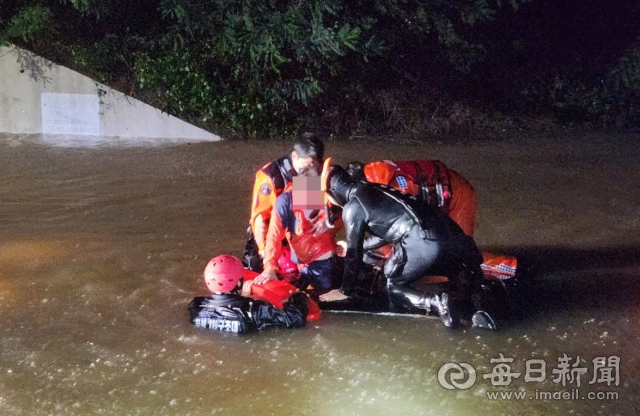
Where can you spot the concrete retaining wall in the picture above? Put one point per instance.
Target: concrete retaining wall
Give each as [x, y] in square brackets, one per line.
[37, 96]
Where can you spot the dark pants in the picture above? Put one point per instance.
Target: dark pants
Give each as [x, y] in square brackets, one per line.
[250, 258]
[323, 275]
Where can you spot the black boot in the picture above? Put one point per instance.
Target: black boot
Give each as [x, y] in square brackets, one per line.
[444, 307]
[492, 305]
[403, 299]
[483, 320]
[407, 298]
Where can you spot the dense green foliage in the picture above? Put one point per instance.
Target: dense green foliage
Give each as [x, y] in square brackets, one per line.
[614, 99]
[272, 67]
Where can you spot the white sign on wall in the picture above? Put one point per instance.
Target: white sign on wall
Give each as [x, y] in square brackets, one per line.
[70, 114]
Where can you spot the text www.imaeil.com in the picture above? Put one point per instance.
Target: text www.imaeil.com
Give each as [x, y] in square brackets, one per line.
[573, 394]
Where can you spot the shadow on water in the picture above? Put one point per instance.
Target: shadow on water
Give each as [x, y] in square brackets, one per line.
[561, 279]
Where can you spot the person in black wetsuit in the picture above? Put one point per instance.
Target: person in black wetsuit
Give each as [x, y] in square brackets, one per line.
[227, 310]
[425, 242]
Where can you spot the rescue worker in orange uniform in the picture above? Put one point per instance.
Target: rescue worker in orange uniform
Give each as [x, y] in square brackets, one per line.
[432, 182]
[271, 180]
[293, 217]
[428, 180]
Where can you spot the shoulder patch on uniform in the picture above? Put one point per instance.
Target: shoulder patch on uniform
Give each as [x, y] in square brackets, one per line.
[265, 189]
[402, 182]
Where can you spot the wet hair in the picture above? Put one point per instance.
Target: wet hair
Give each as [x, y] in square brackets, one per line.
[356, 170]
[311, 170]
[309, 145]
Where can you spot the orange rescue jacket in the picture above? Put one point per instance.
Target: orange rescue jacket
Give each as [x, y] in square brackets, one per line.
[271, 181]
[293, 225]
[427, 179]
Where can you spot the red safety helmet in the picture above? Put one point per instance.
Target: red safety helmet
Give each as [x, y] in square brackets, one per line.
[223, 273]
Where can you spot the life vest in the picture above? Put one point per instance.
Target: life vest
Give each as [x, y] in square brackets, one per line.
[498, 266]
[271, 180]
[304, 244]
[426, 179]
[277, 292]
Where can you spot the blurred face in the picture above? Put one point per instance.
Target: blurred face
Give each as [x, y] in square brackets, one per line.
[307, 193]
[300, 163]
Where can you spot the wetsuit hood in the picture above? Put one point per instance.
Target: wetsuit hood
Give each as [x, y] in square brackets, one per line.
[340, 184]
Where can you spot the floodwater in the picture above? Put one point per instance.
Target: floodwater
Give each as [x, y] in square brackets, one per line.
[102, 246]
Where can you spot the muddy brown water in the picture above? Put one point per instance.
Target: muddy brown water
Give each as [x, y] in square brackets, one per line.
[102, 246]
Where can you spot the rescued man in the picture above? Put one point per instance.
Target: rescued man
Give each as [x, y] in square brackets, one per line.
[294, 215]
